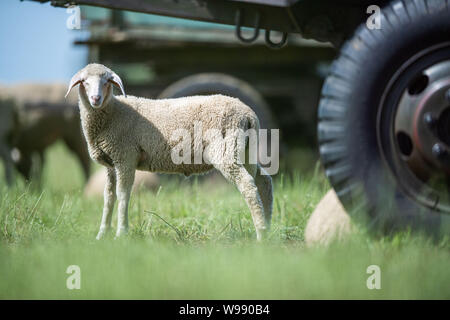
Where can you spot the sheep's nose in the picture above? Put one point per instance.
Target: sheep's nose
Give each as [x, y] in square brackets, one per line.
[95, 99]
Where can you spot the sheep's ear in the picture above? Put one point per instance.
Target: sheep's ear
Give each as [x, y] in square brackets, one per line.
[115, 79]
[73, 82]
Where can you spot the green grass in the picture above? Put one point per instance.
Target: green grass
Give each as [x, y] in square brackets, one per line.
[203, 249]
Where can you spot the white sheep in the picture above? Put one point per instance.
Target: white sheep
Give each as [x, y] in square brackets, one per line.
[128, 133]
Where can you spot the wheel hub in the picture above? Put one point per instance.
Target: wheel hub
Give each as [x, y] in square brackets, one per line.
[422, 123]
[430, 126]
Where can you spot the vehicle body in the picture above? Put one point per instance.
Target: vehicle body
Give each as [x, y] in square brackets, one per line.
[323, 20]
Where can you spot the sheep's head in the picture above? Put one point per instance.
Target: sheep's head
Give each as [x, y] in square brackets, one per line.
[95, 82]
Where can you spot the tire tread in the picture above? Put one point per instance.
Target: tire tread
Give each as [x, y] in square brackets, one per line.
[337, 90]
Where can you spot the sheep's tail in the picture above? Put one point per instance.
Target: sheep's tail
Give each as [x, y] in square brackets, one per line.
[253, 123]
[249, 126]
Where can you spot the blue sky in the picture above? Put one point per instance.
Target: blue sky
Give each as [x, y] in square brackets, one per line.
[36, 45]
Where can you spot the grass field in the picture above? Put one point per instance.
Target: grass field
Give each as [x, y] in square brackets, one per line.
[196, 241]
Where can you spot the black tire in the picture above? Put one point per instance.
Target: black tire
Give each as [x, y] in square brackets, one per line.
[415, 34]
[218, 83]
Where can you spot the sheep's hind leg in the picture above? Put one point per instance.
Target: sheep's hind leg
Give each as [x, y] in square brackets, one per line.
[8, 163]
[109, 195]
[263, 182]
[125, 179]
[245, 183]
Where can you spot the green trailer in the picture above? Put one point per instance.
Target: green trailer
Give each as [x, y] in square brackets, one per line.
[170, 57]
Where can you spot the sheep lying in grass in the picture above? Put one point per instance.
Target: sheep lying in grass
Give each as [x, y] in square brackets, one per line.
[328, 222]
[128, 133]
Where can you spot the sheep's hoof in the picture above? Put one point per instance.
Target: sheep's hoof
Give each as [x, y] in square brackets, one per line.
[262, 234]
[121, 233]
[101, 234]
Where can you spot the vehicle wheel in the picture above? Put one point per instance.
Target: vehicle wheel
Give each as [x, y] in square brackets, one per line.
[384, 120]
[217, 83]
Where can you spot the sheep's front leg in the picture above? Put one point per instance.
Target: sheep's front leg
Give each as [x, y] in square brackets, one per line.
[109, 195]
[125, 179]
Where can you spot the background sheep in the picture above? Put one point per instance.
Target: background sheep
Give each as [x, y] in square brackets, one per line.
[328, 222]
[36, 93]
[142, 181]
[129, 133]
[44, 117]
[8, 134]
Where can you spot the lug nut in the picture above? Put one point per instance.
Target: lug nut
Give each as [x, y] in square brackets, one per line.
[439, 151]
[429, 119]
